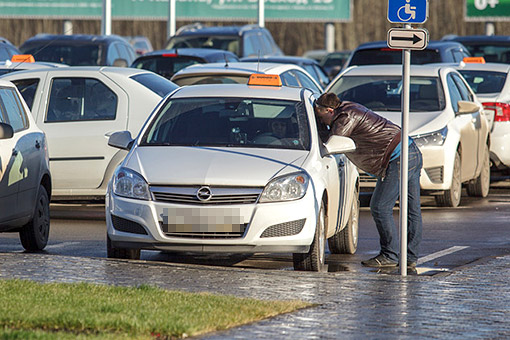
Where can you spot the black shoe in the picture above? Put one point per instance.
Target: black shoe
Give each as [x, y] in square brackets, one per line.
[379, 261]
[410, 264]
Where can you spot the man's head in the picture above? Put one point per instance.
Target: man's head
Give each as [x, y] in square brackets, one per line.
[325, 107]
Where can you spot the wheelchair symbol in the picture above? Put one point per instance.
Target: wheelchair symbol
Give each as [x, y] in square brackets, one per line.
[409, 10]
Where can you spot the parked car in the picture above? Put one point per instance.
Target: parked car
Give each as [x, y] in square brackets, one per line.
[168, 62]
[446, 120]
[311, 66]
[333, 62]
[20, 62]
[204, 175]
[78, 108]
[140, 44]
[378, 52]
[494, 48]
[244, 41]
[7, 49]
[219, 73]
[80, 49]
[25, 180]
[491, 84]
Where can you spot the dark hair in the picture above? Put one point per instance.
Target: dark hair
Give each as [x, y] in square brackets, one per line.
[329, 100]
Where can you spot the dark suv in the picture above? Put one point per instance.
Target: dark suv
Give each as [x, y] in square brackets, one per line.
[244, 41]
[378, 52]
[494, 48]
[80, 49]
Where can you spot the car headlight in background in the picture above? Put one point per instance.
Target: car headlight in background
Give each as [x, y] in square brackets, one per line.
[128, 183]
[435, 138]
[286, 188]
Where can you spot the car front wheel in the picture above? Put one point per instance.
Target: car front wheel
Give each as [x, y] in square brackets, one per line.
[479, 187]
[346, 240]
[34, 235]
[315, 258]
[120, 253]
[451, 197]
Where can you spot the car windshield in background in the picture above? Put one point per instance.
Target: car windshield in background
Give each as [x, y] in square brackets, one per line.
[233, 122]
[83, 54]
[220, 42]
[391, 56]
[164, 65]
[485, 81]
[212, 79]
[492, 53]
[383, 93]
[157, 84]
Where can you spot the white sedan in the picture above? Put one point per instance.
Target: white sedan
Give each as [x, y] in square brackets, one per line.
[446, 121]
[237, 169]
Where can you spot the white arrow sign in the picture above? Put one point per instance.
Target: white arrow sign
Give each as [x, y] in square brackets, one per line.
[413, 38]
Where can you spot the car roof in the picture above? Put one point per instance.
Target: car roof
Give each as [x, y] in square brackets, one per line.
[240, 90]
[498, 67]
[192, 52]
[7, 64]
[76, 38]
[395, 69]
[433, 44]
[215, 30]
[282, 59]
[6, 83]
[126, 71]
[238, 68]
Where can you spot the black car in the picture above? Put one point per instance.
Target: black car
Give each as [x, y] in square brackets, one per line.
[80, 49]
[168, 62]
[7, 49]
[244, 41]
[378, 52]
[494, 48]
[310, 65]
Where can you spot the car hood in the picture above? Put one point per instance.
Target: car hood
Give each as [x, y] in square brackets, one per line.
[420, 122]
[213, 166]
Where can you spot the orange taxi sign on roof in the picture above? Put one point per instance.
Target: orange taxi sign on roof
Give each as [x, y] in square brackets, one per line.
[22, 58]
[265, 79]
[474, 60]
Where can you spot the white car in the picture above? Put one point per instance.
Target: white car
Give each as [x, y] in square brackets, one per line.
[25, 180]
[212, 172]
[491, 84]
[239, 73]
[446, 121]
[78, 108]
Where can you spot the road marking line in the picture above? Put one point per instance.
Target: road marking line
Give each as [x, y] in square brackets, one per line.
[62, 245]
[441, 253]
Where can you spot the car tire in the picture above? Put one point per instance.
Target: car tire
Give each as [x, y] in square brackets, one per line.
[451, 197]
[315, 258]
[34, 235]
[346, 240]
[479, 187]
[121, 253]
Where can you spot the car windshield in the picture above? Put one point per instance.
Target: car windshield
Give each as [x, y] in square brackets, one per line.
[230, 122]
[157, 84]
[492, 53]
[73, 54]
[383, 93]
[392, 56]
[220, 42]
[485, 81]
[166, 66]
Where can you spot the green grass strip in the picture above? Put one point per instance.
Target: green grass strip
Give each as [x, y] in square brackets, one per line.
[31, 310]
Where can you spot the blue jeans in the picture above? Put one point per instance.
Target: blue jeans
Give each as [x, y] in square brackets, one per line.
[383, 200]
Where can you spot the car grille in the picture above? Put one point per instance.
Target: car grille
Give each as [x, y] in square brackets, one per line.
[284, 229]
[206, 234]
[127, 226]
[219, 195]
[435, 174]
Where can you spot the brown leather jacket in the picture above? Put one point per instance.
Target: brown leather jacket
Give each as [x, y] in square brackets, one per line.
[375, 137]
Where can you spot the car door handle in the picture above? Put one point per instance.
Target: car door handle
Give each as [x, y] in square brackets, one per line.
[37, 144]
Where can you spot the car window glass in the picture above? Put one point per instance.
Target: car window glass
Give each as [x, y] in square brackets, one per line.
[80, 99]
[250, 45]
[112, 54]
[157, 84]
[485, 81]
[13, 109]
[82, 54]
[289, 78]
[464, 91]
[27, 88]
[457, 55]
[307, 82]
[455, 95]
[268, 46]
[164, 65]
[389, 56]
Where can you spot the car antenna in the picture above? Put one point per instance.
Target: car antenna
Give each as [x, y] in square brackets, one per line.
[226, 61]
[258, 61]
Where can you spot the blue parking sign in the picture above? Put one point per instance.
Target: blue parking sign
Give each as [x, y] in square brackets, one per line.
[408, 11]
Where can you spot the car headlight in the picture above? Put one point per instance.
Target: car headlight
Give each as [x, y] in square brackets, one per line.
[128, 183]
[435, 138]
[286, 188]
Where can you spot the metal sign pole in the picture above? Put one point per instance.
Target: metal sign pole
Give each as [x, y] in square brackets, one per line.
[404, 153]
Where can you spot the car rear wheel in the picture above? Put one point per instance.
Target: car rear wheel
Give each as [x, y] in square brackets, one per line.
[479, 187]
[451, 197]
[314, 259]
[120, 253]
[346, 240]
[34, 235]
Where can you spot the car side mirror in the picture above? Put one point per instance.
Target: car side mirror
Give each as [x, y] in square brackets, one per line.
[120, 62]
[121, 140]
[467, 107]
[339, 144]
[6, 131]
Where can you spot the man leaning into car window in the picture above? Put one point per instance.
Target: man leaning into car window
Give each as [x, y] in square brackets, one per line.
[377, 152]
